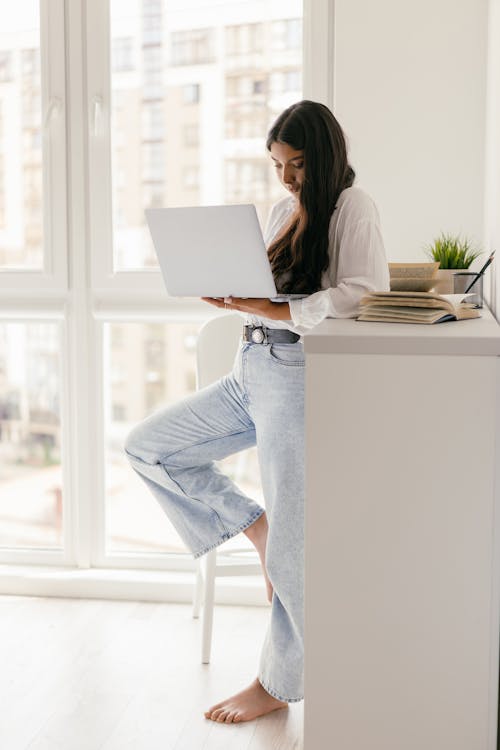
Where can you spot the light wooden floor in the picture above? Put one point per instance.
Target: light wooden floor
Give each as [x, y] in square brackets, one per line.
[99, 675]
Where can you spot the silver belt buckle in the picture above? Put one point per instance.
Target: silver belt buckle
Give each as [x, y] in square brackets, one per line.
[258, 336]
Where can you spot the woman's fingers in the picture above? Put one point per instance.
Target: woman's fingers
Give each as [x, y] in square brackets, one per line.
[216, 301]
[230, 303]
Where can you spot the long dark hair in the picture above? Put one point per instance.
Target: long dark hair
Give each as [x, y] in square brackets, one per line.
[299, 255]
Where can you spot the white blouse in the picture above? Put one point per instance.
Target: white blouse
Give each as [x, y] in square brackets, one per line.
[357, 263]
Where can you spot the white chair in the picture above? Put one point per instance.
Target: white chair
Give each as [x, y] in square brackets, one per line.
[216, 349]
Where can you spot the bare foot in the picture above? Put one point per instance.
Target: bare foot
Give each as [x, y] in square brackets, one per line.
[252, 702]
[257, 533]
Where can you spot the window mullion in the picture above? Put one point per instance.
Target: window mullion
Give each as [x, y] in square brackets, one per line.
[81, 417]
[319, 51]
[98, 97]
[54, 139]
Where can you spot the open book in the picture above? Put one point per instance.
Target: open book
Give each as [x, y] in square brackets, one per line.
[415, 307]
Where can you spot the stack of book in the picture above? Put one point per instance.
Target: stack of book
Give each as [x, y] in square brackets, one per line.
[415, 307]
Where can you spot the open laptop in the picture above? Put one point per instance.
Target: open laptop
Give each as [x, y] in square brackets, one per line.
[211, 251]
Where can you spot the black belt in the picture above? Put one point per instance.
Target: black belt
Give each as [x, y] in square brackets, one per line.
[263, 335]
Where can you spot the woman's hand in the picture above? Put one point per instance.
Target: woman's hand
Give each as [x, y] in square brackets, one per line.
[256, 306]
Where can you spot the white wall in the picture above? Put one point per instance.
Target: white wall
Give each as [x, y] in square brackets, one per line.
[410, 93]
[492, 207]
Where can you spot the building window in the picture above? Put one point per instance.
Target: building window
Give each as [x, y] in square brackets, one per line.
[5, 66]
[153, 122]
[245, 38]
[153, 162]
[191, 177]
[191, 93]
[287, 34]
[122, 58]
[191, 135]
[259, 87]
[193, 47]
[119, 413]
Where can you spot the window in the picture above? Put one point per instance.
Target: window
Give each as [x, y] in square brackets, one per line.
[285, 81]
[191, 135]
[245, 38]
[164, 111]
[191, 93]
[176, 120]
[31, 486]
[153, 122]
[192, 47]
[122, 54]
[153, 162]
[248, 181]
[33, 231]
[80, 363]
[147, 364]
[22, 237]
[5, 66]
[287, 34]
[190, 176]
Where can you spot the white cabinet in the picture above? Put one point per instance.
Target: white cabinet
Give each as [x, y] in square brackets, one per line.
[402, 536]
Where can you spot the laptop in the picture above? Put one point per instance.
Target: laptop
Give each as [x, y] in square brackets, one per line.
[211, 251]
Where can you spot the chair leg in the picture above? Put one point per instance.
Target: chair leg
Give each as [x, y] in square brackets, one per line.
[198, 590]
[208, 607]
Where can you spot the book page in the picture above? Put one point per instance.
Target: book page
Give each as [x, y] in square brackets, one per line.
[413, 270]
[448, 302]
[404, 315]
[456, 299]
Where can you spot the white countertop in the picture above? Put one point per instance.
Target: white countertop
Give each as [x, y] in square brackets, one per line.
[477, 337]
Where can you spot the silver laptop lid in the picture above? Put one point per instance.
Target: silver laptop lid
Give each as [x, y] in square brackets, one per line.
[211, 251]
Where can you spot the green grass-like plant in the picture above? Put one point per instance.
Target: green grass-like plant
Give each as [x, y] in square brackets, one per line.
[452, 251]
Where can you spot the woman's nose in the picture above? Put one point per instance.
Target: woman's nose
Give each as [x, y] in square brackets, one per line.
[288, 178]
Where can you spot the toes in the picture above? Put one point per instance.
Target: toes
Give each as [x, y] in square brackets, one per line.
[209, 714]
[222, 714]
[215, 714]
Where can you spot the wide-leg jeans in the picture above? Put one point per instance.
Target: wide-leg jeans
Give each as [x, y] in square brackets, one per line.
[260, 402]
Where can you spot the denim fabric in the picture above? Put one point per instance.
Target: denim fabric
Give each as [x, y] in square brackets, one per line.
[260, 402]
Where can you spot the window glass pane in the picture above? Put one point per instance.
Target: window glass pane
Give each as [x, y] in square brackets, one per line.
[195, 87]
[30, 435]
[147, 367]
[21, 209]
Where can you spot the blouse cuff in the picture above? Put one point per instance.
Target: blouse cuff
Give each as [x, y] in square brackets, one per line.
[296, 311]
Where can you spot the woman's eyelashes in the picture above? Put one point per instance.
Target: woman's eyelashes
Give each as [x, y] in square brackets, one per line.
[296, 165]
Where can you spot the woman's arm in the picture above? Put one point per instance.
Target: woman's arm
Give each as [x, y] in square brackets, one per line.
[362, 268]
[258, 306]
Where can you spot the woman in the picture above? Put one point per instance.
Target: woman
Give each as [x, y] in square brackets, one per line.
[326, 252]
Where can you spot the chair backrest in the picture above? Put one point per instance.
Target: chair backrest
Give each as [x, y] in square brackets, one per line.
[216, 347]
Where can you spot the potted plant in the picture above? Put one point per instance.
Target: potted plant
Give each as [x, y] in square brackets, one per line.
[453, 253]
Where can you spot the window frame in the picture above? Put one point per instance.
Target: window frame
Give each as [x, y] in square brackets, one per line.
[53, 276]
[81, 290]
[52, 314]
[318, 35]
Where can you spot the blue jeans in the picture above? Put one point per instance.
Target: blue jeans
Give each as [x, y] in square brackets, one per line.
[260, 402]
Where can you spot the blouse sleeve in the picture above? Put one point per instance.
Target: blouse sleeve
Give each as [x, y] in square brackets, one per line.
[362, 268]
